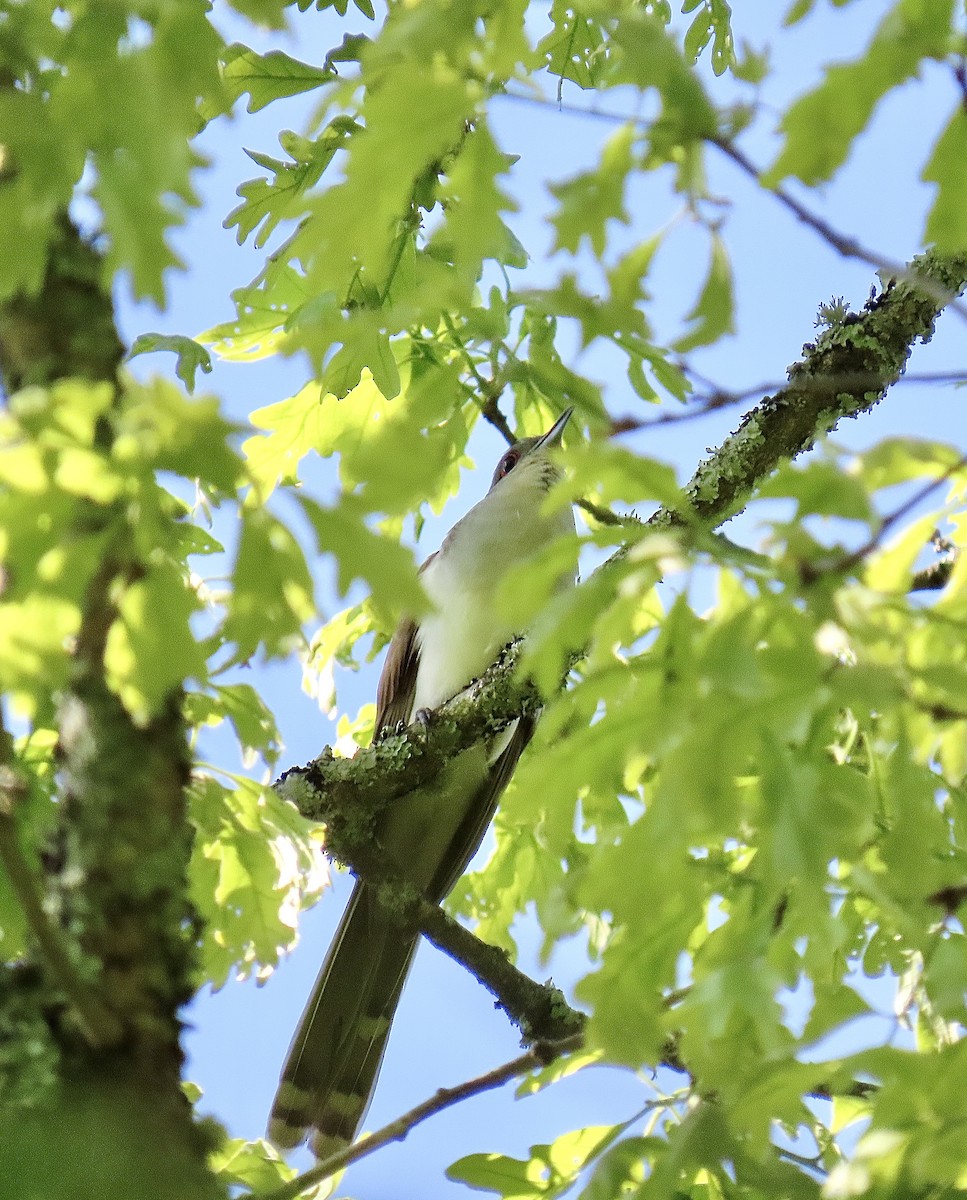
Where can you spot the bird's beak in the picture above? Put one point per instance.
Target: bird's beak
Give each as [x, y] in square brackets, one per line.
[553, 435]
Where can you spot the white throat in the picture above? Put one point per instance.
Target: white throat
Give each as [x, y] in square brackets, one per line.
[464, 633]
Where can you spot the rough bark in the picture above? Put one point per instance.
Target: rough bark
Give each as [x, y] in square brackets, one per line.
[89, 1038]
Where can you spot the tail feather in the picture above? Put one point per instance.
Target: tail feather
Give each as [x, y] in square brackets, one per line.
[335, 1056]
[337, 1050]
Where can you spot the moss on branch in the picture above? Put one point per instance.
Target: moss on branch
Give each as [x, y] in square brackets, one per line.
[870, 348]
[845, 372]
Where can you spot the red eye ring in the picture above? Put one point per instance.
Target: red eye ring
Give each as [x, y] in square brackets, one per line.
[508, 462]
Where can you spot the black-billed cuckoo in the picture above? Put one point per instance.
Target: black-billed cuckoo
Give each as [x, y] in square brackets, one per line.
[429, 836]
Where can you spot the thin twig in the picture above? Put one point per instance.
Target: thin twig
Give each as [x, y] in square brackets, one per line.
[848, 247]
[540, 1056]
[960, 75]
[604, 516]
[716, 397]
[490, 411]
[849, 561]
[489, 389]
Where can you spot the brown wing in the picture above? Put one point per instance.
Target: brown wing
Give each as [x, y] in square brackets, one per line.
[397, 682]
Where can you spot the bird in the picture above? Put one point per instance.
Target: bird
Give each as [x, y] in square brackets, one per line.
[429, 836]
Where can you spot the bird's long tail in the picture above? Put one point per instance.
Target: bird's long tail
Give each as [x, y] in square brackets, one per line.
[331, 1068]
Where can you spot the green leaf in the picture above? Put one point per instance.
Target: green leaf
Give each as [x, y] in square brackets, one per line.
[618, 475]
[550, 1172]
[573, 50]
[160, 430]
[387, 454]
[896, 460]
[946, 976]
[820, 127]
[590, 200]
[366, 351]
[698, 35]
[33, 634]
[561, 1068]
[48, 168]
[623, 1165]
[645, 55]
[134, 149]
[251, 719]
[511, 1178]
[947, 168]
[713, 313]
[723, 48]
[191, 355]
[385, 566]
[254, 864]
[891, 569]
[278, 293]
[272, 593]
[354, 259]
[265, 203]
[150, 649]
[335, 643]
[293, 428]
[268, 77]
[350, 49]
[820, 487]
[473, 202]
[256, 1165]
[799, 10]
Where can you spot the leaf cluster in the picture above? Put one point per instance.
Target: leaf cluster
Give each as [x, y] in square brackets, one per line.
[748, 802]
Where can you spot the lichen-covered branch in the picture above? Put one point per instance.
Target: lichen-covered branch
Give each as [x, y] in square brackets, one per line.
[870, 348]
[538, 1010]
[98, 1023]
[123, 880]
[350, 793]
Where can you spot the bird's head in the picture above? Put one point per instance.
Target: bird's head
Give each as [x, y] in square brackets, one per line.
[530, 455]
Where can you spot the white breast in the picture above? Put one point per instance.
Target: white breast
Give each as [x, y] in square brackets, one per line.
[464, 633]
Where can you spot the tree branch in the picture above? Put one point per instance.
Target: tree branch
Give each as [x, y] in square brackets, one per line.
[538, 1010]
[872, 345]
[848, 247]
[716, 398]
[540, 1055]
[870, 351]
[350, 793]
[843, 244]
[849, 562]
[67, 328]
[933, 578]
[116, 871]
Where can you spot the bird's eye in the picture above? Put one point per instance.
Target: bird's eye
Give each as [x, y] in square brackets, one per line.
[508, 462]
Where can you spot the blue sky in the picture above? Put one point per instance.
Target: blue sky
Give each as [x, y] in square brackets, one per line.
[447, 1029]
